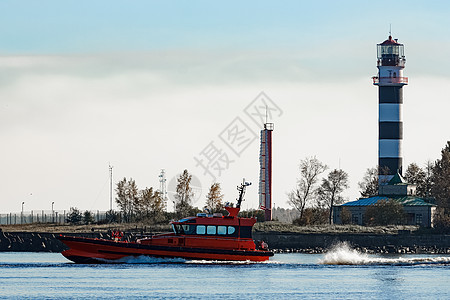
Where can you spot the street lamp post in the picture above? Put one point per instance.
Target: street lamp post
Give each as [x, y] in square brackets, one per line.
[53, 213]
[21, 214]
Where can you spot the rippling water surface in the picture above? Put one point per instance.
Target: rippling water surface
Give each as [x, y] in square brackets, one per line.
[342, 273]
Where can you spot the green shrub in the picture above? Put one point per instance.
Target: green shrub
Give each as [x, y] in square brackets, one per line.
[385, 212]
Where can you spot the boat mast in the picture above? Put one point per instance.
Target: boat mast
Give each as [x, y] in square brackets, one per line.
[241, 190]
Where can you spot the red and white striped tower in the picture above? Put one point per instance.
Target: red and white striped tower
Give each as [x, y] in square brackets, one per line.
[265, 175]
[390, 82]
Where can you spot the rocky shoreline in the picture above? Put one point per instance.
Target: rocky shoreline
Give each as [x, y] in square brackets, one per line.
[399, 243]
[279, 242]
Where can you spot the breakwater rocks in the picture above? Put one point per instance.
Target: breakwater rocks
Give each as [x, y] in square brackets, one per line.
[283, 242]
[47, 242]
[402, 242]
[35, 242]
[29, 242]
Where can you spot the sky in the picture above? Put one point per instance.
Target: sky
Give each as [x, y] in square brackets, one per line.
[150, 85]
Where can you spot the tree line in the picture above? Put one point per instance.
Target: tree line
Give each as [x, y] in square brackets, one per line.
[149, 204]
[313, 197]
[314, 201]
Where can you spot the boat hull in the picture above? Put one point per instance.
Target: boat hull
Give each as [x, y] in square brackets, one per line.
[89, 250]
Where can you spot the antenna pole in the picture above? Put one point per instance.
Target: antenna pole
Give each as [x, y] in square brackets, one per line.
[110, 186]
[241, 190]
[162, 186]
[266, 113]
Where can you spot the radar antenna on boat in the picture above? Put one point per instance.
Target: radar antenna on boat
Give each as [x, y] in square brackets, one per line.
[241, 190]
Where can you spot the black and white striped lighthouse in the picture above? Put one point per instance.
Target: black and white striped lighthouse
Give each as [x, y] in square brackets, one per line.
[390, 82]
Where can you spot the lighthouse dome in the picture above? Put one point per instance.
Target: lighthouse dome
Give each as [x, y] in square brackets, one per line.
[390, 41]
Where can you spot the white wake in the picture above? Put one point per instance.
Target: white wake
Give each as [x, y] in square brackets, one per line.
[343, 254]
[149, 260]
[159, 260]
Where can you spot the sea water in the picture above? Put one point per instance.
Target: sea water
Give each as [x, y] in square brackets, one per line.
[342, 273]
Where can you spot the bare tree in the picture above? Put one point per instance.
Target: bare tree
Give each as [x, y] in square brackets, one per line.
[146, 197]
[158, 206]
[133, 196]
[310, 169]
[184, 195]
[121, 198]
[369, 184]
[153, 204]
[383, 171]
[214, 198]
[127, 198]
[428, 184]
[331, 188]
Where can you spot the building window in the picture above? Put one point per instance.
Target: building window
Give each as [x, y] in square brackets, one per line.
[355, 219]
[418, 219]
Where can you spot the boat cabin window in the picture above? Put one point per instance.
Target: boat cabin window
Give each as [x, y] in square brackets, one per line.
[188, 229]
[211, 229]
[208, 229]
[222, 230]
[183, 229]
[176, 228]
[201, 229]
[231, 229]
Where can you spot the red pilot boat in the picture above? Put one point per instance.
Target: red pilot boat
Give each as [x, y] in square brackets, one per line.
[204, 237]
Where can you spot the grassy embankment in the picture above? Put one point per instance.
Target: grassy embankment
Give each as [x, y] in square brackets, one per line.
[263, 226]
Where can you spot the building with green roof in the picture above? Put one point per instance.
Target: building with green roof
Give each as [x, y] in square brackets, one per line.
[419, 211]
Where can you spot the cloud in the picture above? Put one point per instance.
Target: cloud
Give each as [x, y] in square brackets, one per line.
[64, 118]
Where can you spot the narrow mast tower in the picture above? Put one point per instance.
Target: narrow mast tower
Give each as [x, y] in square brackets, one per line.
[162, 186]
[265, 175]
[110, 187]
[390, 81]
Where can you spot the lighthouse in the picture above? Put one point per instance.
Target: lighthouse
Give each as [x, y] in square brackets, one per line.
[265, 176]
[390, 81]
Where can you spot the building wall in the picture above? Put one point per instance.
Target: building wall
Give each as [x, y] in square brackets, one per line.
[416, 215]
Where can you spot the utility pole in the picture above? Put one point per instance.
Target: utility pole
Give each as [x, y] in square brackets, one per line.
[110, 186]
[21, 214]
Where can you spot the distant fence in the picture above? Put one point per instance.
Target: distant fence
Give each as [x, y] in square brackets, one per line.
[45, 216]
